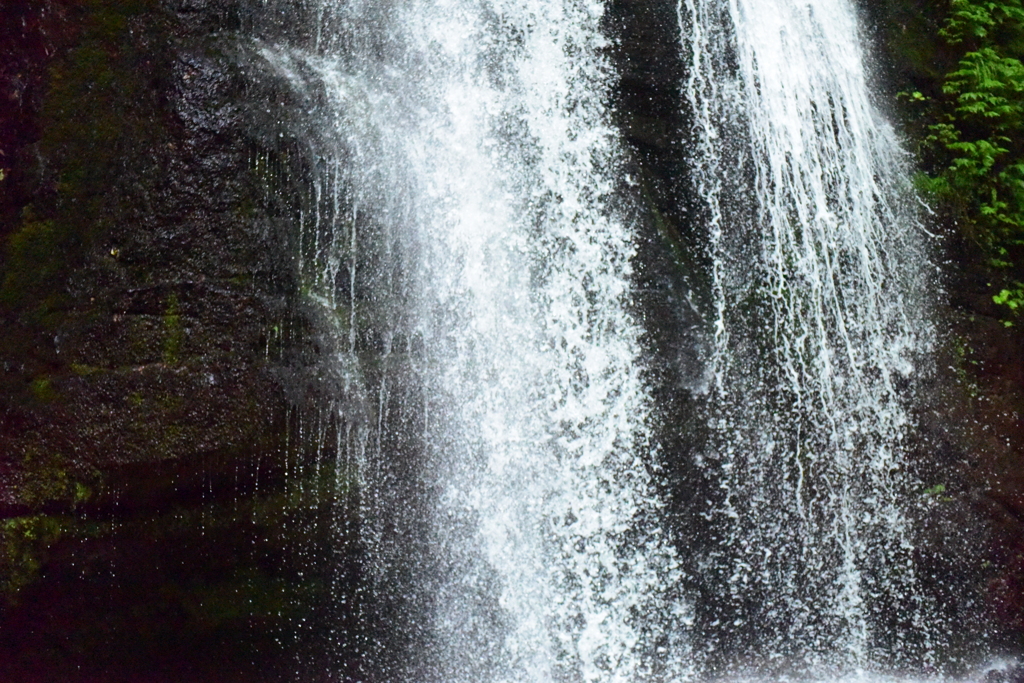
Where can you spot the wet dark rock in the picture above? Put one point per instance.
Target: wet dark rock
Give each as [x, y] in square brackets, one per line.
[149, 343]
[973, 435]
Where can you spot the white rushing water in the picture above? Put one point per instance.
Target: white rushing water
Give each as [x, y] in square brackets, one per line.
[545, 448]
[463, 238]
[478, 133]
[551, 453]
[821, 314]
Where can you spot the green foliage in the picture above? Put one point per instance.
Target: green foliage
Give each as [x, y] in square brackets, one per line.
[979, 19]
[938, 493]
[986, 165]
[973, 144]
[1013, 299]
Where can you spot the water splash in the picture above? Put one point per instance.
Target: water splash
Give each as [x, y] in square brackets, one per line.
[821, 318]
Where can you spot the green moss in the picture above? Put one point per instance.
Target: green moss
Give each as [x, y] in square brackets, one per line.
[242, 280]
[965, 367]
[173, 435]
[248, 594]
[42, 389]
[174, 334]
[84, 119]
[49, 483]
[82, 493]
[23, 542]
[83, 370]
[33, 259]
[171, 402]
[109, 22]
[246, 210]
[94, 113]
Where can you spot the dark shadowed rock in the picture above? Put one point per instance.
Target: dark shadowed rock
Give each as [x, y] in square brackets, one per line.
[149, 341]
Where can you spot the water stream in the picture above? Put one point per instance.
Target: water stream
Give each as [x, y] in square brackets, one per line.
[537, 439]
[467, 240]
[821, 281]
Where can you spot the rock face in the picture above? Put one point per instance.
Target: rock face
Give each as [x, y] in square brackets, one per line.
[149, 337]
[973, 450]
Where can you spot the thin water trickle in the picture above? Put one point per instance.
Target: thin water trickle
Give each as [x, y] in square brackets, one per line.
[821, 299]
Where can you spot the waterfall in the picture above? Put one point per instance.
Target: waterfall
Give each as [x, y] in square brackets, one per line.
[820, 320]
[511, 522]
[469, 241]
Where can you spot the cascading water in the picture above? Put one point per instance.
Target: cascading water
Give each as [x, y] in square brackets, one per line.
[518, 538]
[820, 320]
[543, 440]
[466, 243]
[550, 438]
